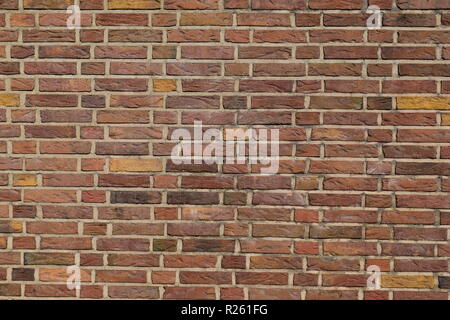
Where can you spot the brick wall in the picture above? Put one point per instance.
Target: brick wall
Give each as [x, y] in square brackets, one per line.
[87, 179]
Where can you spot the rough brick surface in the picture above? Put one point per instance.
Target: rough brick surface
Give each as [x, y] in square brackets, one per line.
[86, 177]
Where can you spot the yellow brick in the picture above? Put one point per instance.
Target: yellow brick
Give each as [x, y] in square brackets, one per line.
[406, 281]
[164, 85]
[307, 183]
[9, 100]
[136, 165]
[433, 103]
[16, 225]
[446, 119]
[60, 275]
[24, 180]
[134, 4]
[10, 226]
